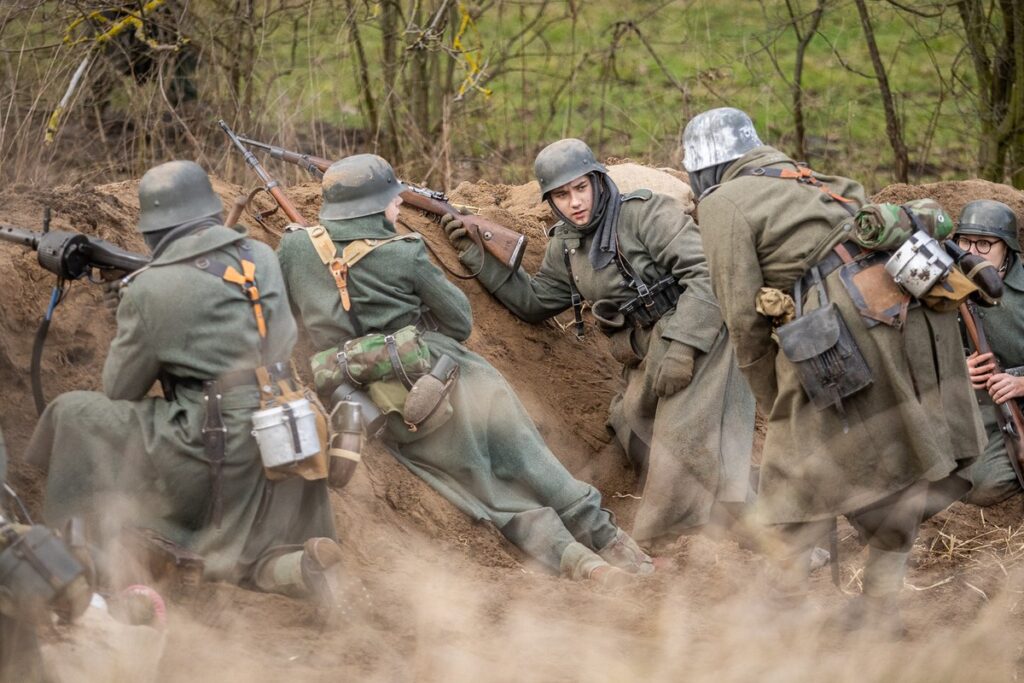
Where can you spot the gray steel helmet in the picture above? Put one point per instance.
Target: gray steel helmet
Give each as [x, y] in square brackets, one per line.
[359, 185]
[716, 136]
[990, 218]
[562, 162]
[175, 193]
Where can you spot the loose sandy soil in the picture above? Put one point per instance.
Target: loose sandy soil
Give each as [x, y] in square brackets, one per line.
[452, 600]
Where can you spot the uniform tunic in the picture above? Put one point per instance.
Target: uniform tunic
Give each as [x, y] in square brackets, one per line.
[101, 449]
[488, 458]
[992, 476]
[700, 438]
[916, 419]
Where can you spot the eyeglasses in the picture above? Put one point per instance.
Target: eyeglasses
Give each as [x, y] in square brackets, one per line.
[981, 246]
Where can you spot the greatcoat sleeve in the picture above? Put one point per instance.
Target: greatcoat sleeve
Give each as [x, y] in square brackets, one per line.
[673, 241]
[446, 301]
[532, 299]
[736, 278]
[132, 364]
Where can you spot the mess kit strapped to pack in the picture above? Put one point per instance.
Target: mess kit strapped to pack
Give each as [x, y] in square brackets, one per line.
[896, 255]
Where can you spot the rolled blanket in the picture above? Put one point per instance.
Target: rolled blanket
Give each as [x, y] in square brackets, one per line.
[882, 227]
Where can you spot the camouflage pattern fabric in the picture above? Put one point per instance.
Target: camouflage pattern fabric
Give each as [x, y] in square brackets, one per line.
[367, 360]
[882, 227]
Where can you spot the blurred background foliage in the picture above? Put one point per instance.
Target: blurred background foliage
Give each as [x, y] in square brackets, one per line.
[448, 90]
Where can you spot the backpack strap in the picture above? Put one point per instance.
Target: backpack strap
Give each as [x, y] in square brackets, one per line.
[574, 295]
[353, 252]
[246, 280]
[802, 174]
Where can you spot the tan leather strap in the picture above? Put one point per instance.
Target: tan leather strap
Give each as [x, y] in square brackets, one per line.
[353, 252]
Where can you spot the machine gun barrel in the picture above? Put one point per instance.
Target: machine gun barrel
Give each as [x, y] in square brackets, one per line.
[71, 255]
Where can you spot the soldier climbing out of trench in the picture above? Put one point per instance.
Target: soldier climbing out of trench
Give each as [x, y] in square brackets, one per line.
[685, 415]
[389, 328]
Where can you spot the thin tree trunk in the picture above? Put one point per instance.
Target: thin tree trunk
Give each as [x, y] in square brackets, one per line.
[892, 122]
[797, 89]
[362, 69]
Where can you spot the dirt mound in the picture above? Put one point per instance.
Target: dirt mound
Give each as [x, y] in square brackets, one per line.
[453, 600]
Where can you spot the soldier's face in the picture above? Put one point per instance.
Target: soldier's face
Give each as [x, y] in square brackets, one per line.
[391, 213]
[575, 200]
[991, 249]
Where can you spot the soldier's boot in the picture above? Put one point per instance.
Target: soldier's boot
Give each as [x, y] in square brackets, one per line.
[580, 563]
[315, 573]
[877, 609]
[624, 553]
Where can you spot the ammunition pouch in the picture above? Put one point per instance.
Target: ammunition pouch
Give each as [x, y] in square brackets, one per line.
[650, 303]
[427, 406]
[828, 362]
[36, 569]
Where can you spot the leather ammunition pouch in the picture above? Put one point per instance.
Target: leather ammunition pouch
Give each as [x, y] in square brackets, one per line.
[645, 309]
[821, 348]
[878, 298]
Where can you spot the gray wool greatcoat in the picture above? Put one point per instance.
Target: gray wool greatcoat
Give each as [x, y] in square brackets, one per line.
[488, 458]
[992, 475]
[121, 456]
[913, 423]
[700, 438]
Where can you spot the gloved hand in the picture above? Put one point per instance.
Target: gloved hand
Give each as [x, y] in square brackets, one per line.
[457, 233]
[112, 292]
[675, 370]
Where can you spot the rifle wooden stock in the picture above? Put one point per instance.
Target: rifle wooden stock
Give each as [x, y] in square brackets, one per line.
[1008, 415]
[506, 245]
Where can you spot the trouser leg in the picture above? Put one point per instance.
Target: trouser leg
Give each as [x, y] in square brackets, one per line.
[588, 522]
[540, 534]
[279, 570]
[789, 547]
[890, 527]
[943, 493]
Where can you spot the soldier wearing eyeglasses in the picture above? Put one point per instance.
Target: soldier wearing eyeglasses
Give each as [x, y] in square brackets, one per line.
[989, 228]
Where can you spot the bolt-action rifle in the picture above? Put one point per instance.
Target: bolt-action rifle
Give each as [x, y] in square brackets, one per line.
[1008, 414]
[70, 256]
[270, 185]
[505, 245]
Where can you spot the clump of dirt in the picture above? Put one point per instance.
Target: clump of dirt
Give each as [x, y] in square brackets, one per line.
[453, 600]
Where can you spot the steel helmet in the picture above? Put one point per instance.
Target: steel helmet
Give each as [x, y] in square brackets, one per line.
[359, 185]
[562, 162]
[175, 193]
[992, 219]
[716, 136]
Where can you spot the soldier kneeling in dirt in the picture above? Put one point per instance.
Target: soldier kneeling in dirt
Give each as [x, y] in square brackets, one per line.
[859, 422]
[389, 326]
[186, 464]
[989, 228]
[685, 415]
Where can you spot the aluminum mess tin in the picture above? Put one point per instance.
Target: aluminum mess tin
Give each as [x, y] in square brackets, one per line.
[286, 434]
[919, 264]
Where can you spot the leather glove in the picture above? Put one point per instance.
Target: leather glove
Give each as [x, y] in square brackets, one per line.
[675, 372]
[457, 233]
[112, 292]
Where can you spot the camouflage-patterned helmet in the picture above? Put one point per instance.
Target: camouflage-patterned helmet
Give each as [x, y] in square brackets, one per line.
[562, 162]
[992, 219]
[359, 185]
[174, 193]
[716, 136]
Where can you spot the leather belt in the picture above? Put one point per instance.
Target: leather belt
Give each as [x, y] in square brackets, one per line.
[843, 252]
